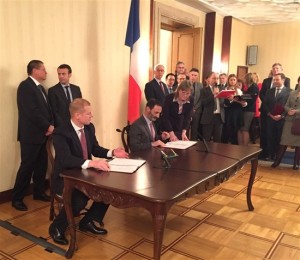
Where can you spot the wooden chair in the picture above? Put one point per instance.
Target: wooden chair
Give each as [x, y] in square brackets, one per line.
[53, 196]
[125, 137]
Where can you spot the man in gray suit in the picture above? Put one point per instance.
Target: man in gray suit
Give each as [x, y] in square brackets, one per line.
[197, 86]
[143, 134]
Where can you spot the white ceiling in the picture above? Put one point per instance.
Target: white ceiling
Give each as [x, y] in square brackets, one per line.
[253, 12]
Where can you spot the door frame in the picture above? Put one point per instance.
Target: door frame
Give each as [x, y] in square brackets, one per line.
[159, 11]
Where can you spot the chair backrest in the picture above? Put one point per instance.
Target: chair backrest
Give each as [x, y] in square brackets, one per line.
[51, 156]
[125, 137]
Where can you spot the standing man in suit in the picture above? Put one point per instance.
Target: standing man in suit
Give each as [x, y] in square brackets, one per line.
[213, 115]
[156, 88]
[180, 69]
[170, 79]
[180, 77]
[143, 134]
[197, 86]
[75, 143]
[223, 80]
[267, 84]
[275, 100]
[35, 124]
[62, 94]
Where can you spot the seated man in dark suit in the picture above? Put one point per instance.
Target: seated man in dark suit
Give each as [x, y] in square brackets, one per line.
[143, 134]
[75, 143]
[62, 94]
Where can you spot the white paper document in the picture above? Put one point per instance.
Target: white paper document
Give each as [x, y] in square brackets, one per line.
[125, 165]
[180, 144]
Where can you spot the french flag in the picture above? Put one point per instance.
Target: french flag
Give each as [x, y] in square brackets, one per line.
[132, 41]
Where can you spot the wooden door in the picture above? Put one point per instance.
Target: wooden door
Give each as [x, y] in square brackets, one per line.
[186, 47]
[241, 71]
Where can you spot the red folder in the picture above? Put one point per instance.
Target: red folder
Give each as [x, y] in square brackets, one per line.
[225, 93]
[277, 110]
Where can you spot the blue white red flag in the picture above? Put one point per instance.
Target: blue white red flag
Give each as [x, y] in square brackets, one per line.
[132, 41]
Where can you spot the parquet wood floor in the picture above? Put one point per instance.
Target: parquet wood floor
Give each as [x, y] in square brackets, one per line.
[214, 225]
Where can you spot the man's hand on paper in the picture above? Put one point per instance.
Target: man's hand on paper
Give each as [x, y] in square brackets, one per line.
[100, 165]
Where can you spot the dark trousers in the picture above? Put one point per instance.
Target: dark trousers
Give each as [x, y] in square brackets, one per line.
[34, 162]
[79, 201]
[274, 131]
[195, 126]
[263, 135]
[213, 130]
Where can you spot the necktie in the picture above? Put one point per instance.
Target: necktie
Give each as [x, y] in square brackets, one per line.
[162, 87]
[83, 144]
[170, 90]
[194, 87]
[40, 87]
[152, 131]
[68, 94]
[277, 92]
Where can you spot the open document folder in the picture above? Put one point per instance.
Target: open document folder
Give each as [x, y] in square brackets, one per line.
[180, 144]
[125, 165]
[225, 93]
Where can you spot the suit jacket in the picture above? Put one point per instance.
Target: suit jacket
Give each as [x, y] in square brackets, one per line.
[68, 151]
[34, 113]
[171, 120]
[293, 102]
[267, 85]
[140, 136]
[276, 105]
[196, 95]
[208, 104]
[153, 90]
[60, 104]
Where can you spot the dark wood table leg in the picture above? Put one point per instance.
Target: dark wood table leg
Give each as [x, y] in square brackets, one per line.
[254, 164]
[159, 220]
[67, 195]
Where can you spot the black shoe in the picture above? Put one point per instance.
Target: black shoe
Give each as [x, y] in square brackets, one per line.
[19, 205]
[90, 227]
[42, 197]
[275, 164]
[56, 236]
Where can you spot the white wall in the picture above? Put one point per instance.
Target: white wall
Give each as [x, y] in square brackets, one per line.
[88, 35]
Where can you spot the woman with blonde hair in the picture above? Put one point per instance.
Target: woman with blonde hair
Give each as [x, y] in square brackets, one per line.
[249, 110]
[177, 112]
[255, 125]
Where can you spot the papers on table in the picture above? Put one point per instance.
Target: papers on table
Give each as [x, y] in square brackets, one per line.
[125, 165]
[180, 144]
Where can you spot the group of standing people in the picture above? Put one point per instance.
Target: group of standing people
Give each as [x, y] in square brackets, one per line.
[190, 106]
[200, 110]
[279, 110]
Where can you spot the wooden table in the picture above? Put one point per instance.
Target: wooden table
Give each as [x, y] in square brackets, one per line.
[157, 188]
